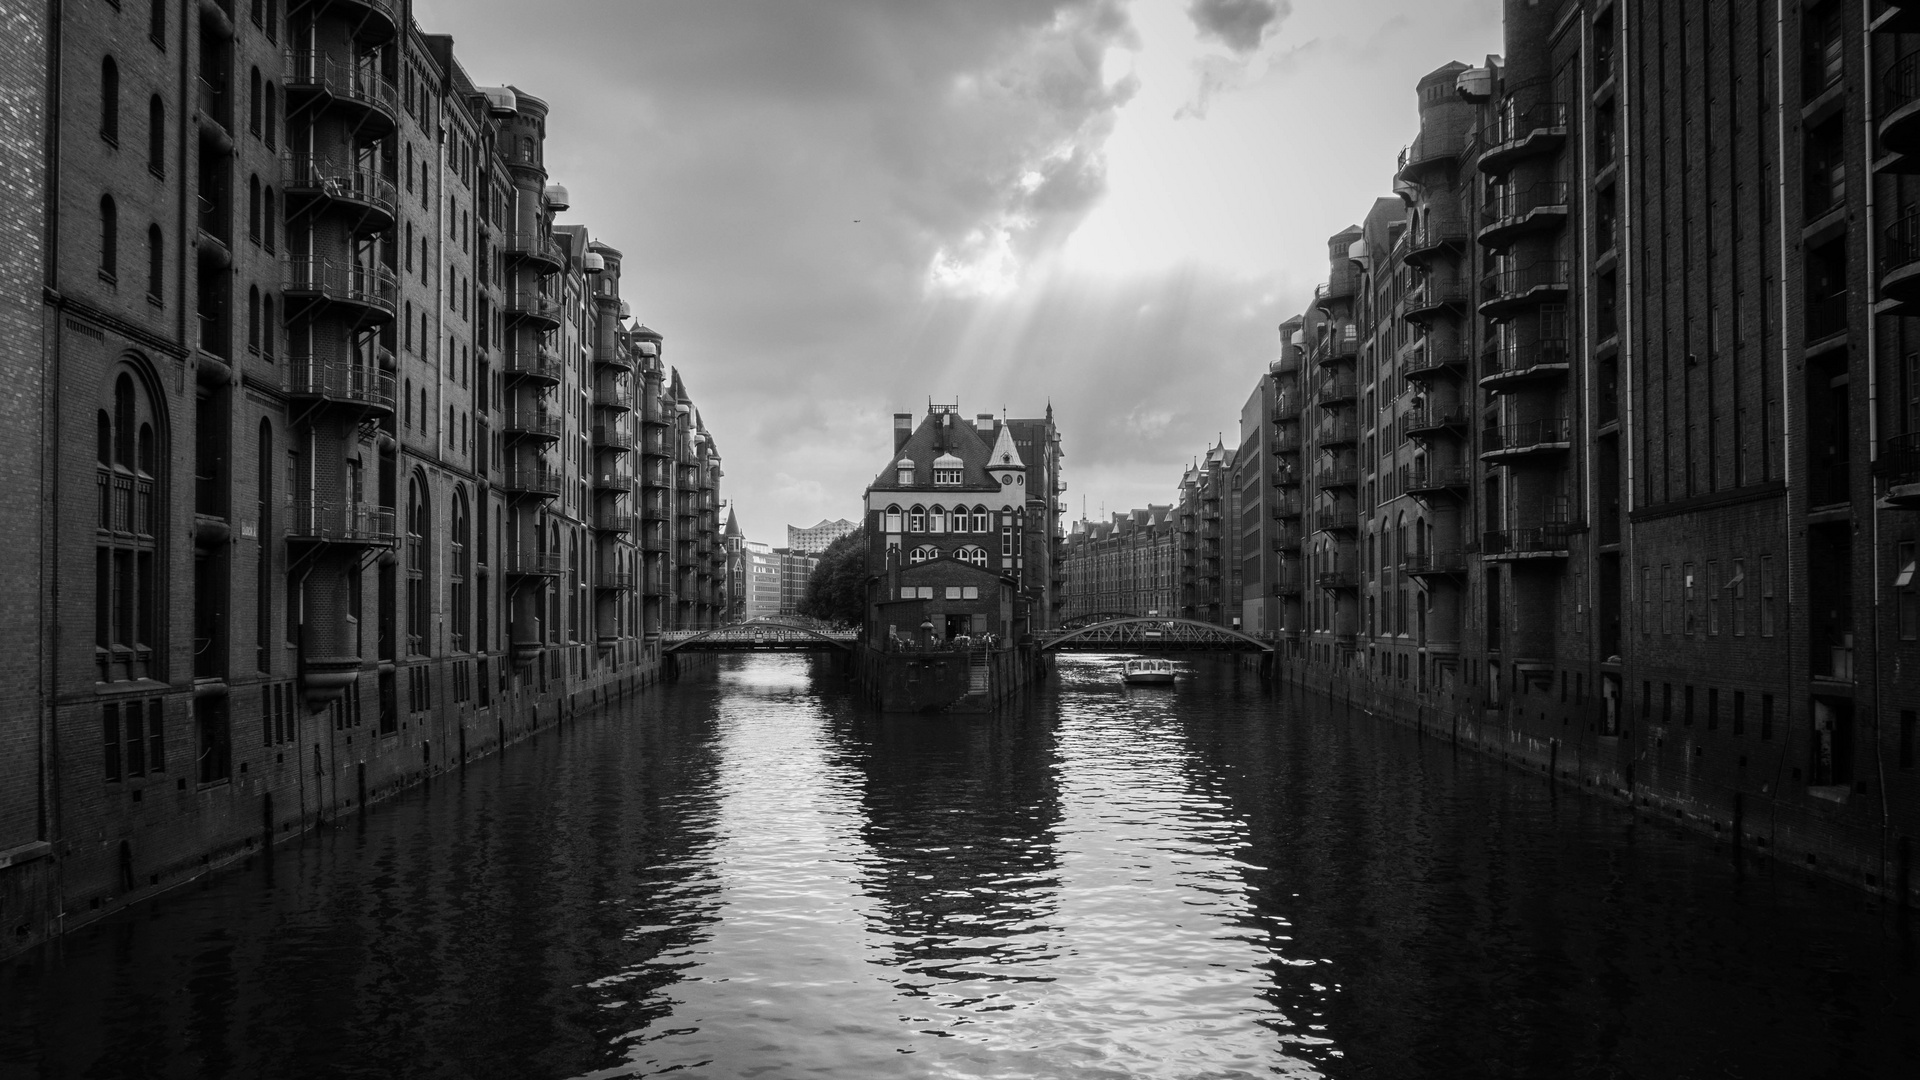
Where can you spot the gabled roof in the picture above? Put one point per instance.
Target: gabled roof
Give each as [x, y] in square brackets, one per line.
[940, 434]
[1005, 454]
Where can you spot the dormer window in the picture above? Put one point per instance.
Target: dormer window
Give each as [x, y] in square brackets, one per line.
[903, 472]
[948, 471]
[947, 476]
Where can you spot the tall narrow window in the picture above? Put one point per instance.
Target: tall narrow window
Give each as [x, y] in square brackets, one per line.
[110, 100]
[270, 115]
[263, 565]
[253, 318]
[157, 22]
[269, 329]
[127, 543]
[253, 208]
[1766, 596]
[253, 101]
[418, 529]
[109, 238]
[460, 571]
[156, 263]
[156, 136]
[269, 224]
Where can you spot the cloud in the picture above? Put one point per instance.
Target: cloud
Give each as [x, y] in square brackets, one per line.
[1240, 24]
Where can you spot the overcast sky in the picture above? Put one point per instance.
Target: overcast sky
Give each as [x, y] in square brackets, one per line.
[835, 210]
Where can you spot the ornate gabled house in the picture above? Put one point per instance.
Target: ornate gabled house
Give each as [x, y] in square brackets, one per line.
[947, 521]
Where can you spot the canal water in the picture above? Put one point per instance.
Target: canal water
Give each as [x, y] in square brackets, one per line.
[752, 876]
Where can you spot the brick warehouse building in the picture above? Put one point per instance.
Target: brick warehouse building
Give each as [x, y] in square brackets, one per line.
[1633, 467]
[1123, 566]
[962, 529]
[379, 474]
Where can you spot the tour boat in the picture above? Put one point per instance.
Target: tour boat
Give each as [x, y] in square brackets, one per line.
[1147, 672]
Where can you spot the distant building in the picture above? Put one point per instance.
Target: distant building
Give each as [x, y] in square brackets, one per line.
[796, 569]
[762, 580]
[815, 538]
[1126, 566]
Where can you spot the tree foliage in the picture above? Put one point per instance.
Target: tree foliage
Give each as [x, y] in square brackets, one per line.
[837, 591]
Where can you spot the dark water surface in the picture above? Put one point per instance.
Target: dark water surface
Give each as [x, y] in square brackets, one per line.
[758, 878]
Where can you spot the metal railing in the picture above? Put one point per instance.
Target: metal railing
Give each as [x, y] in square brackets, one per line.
[1337, 475]
[1526, 539]
[530, 303]
[613, 522]
[1901, 84]
[1514, 281]
[1549, 432]
[1547, 354]
[533, 479]
[1900, 244]
[1899, 458]
[309, 175]
[1338, 429]
[1513, 125]
[613, 579]
[1343, 576]
[334, 280]
[351, 82]
[1433, 146]
[1337, 518]
[533, 246]
[341, 522]
[1826, 316]
[617, 396]
[1512, 203]
[340, 380]
[1432, 477]
[612, 437]
[1435, 417]
[545, 425]
[533, 563]
[1338, 386]
[1435, 562]
[533, 362]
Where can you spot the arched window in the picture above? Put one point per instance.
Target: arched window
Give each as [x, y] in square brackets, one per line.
[156, 263]
[271, 117]
[269, 224]
[253, 101]
[419, 554]
[253, 208]
[891, 522]
[972, 554]
[460, 570]
[573, 574]
[923, 553]
[269, 329]
[128, 555]
[979, 519]
[937, 519]
[917, 519]
[109, 238]
[156, 136]
[109, 100]
[253, 318]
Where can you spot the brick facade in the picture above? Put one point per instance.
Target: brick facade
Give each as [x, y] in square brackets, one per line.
[342, 432]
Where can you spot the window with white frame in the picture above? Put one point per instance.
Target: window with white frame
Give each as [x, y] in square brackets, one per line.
[947, 476]
[972, 554]
[892, 519]
[917, 519]
[923, 553]
[937, 519]
[979, 519]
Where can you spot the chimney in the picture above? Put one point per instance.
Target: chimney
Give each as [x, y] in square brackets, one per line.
[983, 421]
[902, 430]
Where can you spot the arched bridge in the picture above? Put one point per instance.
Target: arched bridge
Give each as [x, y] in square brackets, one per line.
[1153, 635]
[759, 635]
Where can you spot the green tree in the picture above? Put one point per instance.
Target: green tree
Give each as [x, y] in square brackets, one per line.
[837, 591]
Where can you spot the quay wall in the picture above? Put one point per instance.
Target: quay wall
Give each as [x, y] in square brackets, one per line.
[166, 834]
[940, 681]
[1717, 782]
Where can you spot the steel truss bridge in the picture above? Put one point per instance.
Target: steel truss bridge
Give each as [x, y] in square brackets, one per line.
[1135, 634]
[760, 635]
